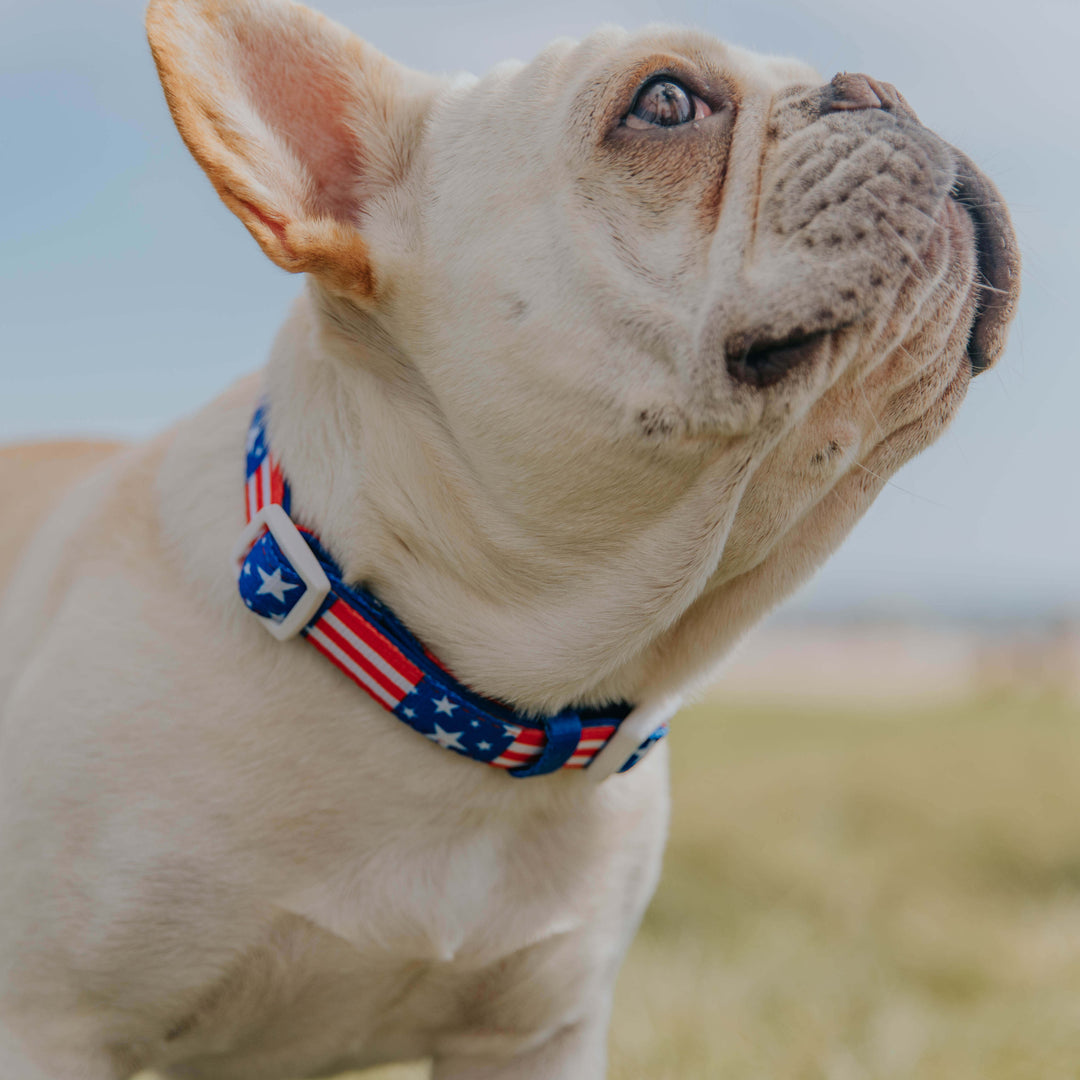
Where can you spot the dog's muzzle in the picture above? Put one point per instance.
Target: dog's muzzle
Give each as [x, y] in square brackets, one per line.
[996, 248]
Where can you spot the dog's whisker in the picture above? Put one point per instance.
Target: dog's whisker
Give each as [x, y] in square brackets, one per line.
[893, 484]
[870, 409]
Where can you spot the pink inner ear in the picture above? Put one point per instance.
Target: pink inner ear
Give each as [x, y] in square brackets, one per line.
[300, 93]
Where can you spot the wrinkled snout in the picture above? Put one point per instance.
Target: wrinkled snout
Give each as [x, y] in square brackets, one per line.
[860, 200]
[995, 241]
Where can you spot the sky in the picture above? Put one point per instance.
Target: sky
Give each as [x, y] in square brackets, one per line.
[129, 295]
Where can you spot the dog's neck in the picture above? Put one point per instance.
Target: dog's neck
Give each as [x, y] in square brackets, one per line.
[565, 606]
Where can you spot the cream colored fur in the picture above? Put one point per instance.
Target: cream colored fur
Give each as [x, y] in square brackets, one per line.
[507, 399]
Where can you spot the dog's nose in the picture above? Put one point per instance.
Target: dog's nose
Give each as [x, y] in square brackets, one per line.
[850, 92]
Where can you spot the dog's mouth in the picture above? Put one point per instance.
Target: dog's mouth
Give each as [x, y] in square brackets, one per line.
[764, 362]
[998, 263]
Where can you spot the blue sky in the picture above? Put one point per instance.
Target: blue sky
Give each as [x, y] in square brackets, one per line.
[130, 295]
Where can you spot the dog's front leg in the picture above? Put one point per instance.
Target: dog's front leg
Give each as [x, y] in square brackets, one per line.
[578, 1052]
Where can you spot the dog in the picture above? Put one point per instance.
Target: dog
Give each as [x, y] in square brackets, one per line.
[598, 357]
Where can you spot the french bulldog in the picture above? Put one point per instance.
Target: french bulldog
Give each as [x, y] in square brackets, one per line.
[598, 357]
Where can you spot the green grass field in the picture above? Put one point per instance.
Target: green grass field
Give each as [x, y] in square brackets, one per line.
[862, 896]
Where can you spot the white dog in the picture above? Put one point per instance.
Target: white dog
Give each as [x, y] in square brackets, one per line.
[598, 358]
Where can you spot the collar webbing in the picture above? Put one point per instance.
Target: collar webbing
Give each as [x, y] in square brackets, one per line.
[293, 584]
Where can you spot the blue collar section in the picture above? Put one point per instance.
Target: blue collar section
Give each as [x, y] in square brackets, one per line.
[294, 586]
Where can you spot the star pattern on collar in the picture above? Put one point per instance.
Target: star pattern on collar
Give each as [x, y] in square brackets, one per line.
[448, 740]
[273, 585]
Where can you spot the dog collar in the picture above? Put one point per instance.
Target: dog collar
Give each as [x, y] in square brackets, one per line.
[295, 587]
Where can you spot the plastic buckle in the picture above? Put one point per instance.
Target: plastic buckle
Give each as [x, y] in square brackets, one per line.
[630, 735]
[294, 547]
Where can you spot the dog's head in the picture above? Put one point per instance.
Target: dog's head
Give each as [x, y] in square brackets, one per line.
[674, 310]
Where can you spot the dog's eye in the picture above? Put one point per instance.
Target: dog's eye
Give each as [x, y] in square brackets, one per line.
[663, 102]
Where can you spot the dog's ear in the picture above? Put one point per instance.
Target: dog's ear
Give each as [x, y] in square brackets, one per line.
[297, 122]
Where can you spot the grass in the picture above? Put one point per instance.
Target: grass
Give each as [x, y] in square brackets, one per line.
[850, 896]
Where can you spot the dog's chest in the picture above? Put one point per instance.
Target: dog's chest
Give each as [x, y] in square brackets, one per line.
[463, 940]
[460, 892]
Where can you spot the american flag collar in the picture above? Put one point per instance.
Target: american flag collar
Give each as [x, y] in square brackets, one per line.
[294, 586]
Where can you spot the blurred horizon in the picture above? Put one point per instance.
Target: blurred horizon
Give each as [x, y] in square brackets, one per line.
[131, 296]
